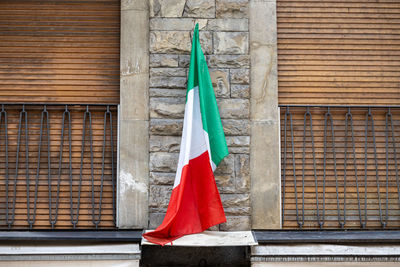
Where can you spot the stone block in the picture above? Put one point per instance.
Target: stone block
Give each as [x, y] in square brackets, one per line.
[199, 9]
[134, 5]
[162, 178]
[170, 42]
[236, 204]
[239, 150]
[240, 91]
[163, 162]
[134, 58]
[264, 83]
[240, 76]
[226, 166]
[162, 92]
[168, 72]
[236, 223]
[133, 98]
[167, 107]
[242, 173]
[238, 141]
[178, 42]
[234, 108]
[156, 219]
[236, 127]
[133, 174]
[166, 8]
[163, 60]
[232, 9]
[176, 24]
[228, 61]
[265, 175]
[184, 61]
[231, 43]
[228, 25]
[263, 25]
[159, 197]
[164, 143]
[168, 82]
[225, 183]
[238, 144]
[220, 82]
[174, 127]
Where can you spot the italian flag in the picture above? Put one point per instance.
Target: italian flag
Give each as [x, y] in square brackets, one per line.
[195, 204]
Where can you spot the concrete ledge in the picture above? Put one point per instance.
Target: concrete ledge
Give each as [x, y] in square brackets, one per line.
[303, 236]
[82, 236]
[326, 250]
[78, 251]
[213, 239]
[325, 254]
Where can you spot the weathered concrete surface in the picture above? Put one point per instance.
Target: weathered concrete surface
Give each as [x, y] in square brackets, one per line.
[264, 152]
[133, 179]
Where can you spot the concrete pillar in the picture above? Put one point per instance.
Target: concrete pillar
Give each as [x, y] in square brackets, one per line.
[264, 151]
[132, 196]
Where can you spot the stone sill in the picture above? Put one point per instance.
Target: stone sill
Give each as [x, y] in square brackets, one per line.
[213, 239]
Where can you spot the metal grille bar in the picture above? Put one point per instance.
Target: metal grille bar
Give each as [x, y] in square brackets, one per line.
[29, 134]
[330, 153]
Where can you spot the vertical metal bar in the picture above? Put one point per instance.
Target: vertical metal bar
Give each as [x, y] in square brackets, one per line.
[395, 156]
[349, 118]
[27, 179]
[43, 115]
[389, 119]
[370, 117]
[10, 222]
[75, 214]
[66, 118]
[3, 114]
[284, 165]
[112, 169]
[329, 118]
[306, 114]
[96, 218]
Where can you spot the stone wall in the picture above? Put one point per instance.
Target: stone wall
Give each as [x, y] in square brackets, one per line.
[225, 41]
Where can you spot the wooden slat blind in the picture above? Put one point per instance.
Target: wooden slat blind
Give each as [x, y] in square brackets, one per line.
[63, 51]
[339, 52]
[58, 51]
[352, 200]
[64, 213]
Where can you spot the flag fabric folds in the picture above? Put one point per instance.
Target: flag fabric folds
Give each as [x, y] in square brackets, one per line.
[195, 204]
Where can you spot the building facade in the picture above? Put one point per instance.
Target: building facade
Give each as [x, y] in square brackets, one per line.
[93, 97]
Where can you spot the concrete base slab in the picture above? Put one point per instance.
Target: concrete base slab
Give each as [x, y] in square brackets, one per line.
[42, 254]
[213, 239]
[97, 263]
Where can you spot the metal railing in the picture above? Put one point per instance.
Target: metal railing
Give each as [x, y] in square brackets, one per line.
[340, 166]
[56, 163]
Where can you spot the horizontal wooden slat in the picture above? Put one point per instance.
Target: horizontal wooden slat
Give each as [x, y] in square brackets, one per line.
[329, 52]
[59, 51]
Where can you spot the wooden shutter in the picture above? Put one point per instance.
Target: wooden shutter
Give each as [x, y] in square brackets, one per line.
[339, 52]
[58, 52]
[64, 51]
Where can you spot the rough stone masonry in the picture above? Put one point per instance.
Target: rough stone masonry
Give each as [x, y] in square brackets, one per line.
[224, 37]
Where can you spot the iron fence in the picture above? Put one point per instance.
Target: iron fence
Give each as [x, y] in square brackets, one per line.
[340, 166]
[57, 166]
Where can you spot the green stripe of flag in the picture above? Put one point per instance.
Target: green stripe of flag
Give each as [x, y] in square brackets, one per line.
[199, 76]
